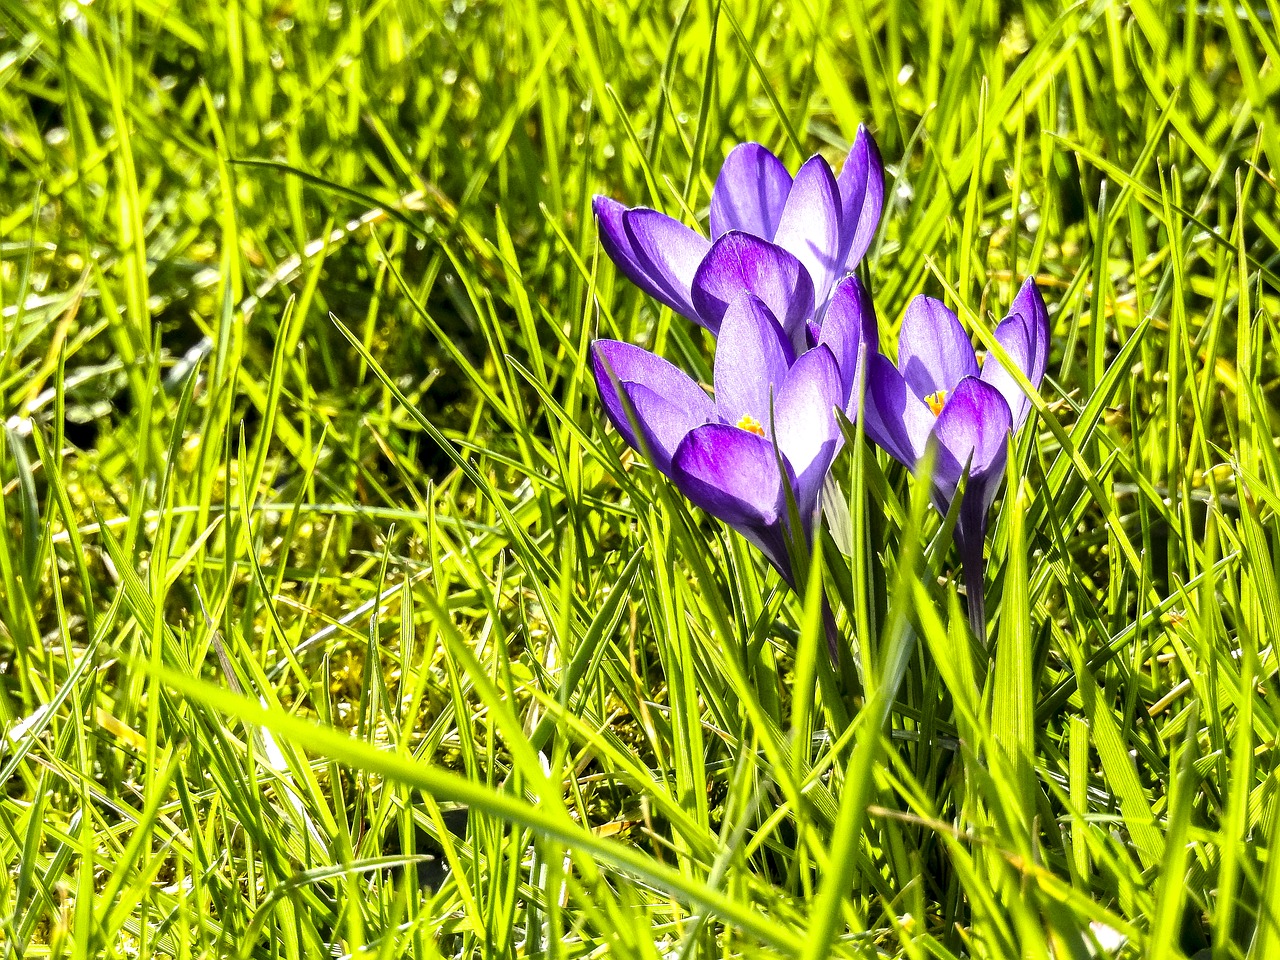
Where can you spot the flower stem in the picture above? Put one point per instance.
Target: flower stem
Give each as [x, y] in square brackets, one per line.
[974, 566]
[834, 640]
[971, 534]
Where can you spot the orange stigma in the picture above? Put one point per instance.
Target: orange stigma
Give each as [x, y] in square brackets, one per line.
[936, 401]
[751, 425]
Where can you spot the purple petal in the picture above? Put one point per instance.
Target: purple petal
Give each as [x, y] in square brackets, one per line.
[666, 402]
[812, 331]
[934, 353]
[750, 192]
[806, 426]
[892, 416]
[668, 253]
[752, 359]
[849, 326]
[662, 424]
[617, 245]
[1012, 335]
[861, 196]
[972, 430]
[1024, 334]
[739, 264]
[1029, 303]
[732, 474]
[810, 226]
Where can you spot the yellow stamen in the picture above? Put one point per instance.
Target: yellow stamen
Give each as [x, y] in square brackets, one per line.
[751, 425]
[936, 401]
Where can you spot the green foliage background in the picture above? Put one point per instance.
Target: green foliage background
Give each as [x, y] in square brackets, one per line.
[332, 621]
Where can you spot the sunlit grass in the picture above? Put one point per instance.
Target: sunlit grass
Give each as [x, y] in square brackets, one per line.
[333, 621]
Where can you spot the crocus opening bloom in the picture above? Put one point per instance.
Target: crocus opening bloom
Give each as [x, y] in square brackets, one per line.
[937, 395]
[772, 408]
[787, 241]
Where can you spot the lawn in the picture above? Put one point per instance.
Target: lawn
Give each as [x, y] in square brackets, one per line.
[335, 620]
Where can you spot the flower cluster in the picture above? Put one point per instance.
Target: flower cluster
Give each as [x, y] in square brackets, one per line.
[938, 393]
[786, 241]
[769, 428]
[796, 340]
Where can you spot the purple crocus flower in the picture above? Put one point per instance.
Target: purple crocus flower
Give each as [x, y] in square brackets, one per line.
[787, 241]
[770, 426]
[937, 395]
